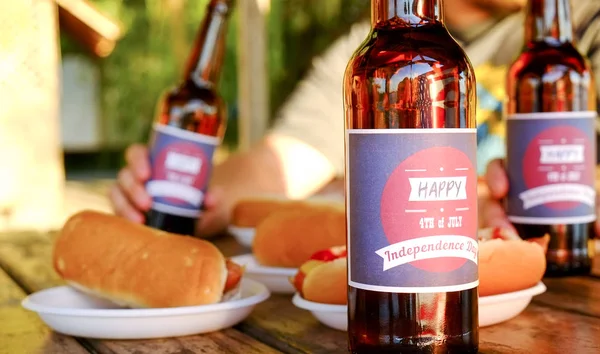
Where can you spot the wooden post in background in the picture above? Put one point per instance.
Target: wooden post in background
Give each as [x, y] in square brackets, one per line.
[31, 166]
[253, 89]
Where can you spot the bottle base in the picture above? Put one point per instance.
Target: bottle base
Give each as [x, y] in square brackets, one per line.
[416, 349]
[569, 253]
[566, 270]
[171, 223]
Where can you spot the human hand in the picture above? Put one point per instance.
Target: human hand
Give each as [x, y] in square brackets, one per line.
[128, 196]
[215, 213]
[491, 210]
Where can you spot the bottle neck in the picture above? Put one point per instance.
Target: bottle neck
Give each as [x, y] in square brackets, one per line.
[205, 62]
[548, 21]
[405, 12]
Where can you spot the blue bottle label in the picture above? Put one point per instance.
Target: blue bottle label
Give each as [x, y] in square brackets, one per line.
[412, 209]
[181, 166]
[551, 167]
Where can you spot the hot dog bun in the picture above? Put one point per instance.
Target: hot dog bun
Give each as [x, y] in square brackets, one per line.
[137, 266]
[323, 278]
[507, 263]
[288, 238]
[252, 211]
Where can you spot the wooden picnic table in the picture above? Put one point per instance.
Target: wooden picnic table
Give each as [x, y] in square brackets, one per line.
[565, 319]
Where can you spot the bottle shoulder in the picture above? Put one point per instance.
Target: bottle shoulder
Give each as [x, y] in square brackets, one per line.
[546, 78]
[409, 51]
[410, 78]
[189, 90]
[193, 98]
[193, 108]
[545, 61]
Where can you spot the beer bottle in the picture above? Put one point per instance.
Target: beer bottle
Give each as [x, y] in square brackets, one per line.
[411, 186]
[551, 141]
[190, 124]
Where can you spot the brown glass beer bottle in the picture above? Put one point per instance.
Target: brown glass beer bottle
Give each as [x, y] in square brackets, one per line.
[551, 140]
[190, 126]
[411, 186]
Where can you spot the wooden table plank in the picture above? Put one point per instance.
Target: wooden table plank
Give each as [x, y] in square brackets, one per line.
[280, 324]
[225, 341]
[21, 331]
[540, 329]
[26, 256]
[566, 317]
[579, 295]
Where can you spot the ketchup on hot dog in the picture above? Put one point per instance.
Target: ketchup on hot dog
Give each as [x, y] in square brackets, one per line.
[315, 260]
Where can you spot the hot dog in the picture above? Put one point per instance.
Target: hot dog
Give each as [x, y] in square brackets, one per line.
[137, 266]
[323, 277]
[506, 263]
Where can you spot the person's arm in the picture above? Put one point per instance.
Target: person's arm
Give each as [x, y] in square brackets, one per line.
[586, 20]
[278, 165]
[587, 33]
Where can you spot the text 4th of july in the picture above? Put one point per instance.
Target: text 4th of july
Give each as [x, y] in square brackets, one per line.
[441, 223]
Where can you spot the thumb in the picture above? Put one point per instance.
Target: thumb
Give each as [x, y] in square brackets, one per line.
[214, 216]
[213, 198]
[497, 179]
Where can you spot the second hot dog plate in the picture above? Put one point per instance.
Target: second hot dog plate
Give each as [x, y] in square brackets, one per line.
[276, 279]
[492, 309]
[243, 235]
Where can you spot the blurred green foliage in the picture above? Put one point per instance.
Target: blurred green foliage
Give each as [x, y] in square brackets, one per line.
[157, 38]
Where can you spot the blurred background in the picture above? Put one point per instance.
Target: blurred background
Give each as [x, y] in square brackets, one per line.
[80, 79]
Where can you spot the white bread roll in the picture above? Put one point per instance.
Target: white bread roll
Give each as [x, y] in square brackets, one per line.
[137, 266]
[288, 238]
[251, 211]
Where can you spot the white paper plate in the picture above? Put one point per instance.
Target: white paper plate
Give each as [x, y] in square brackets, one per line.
[333, 316]
[492, 309]
[499, 308]
[277, 280]
[74, 313]
[243, 235]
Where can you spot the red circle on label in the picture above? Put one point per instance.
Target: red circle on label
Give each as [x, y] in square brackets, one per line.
[403, 219]
[538, 173]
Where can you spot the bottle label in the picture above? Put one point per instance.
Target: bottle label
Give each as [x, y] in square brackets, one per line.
[412, 209]
[181, 165]
[551, 166]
